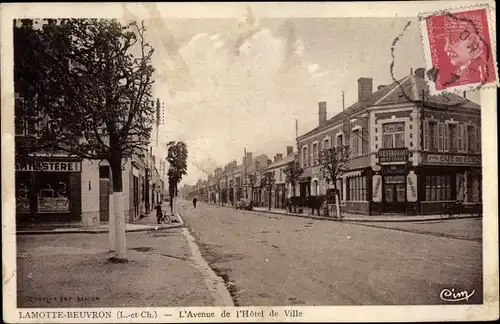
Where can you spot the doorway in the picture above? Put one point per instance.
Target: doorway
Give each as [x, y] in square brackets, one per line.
[394, 194]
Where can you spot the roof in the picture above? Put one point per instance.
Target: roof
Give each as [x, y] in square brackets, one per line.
[283, 161]
[405, 90]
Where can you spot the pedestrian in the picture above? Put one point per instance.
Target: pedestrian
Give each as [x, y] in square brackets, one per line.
[158, 213]
[194, 202]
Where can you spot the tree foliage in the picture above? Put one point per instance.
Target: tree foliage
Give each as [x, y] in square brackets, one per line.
[293, 172]
[267, 180]
[91, 80]
[177, 159]
[334, 162]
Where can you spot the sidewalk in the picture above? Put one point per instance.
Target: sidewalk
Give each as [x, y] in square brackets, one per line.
[144, 224]
[71, 270]
[348, 217]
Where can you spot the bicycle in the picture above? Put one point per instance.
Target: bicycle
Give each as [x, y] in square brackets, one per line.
[165, 218]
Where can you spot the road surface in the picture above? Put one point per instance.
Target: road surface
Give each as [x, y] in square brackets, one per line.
[269, 259]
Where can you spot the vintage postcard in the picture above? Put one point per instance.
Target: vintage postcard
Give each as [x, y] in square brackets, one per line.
[263, 162]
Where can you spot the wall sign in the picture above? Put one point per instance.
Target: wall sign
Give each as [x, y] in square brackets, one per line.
[451, 159]
[50, 166]
[377, 188]
[393, 155]
[393, 169]
[411, 187]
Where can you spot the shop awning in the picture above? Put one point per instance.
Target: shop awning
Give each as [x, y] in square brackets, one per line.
[351, 174]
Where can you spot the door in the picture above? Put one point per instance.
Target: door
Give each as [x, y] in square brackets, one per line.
[394, 193]
[104, 200]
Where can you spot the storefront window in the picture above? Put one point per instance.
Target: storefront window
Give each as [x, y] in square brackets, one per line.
[22, 193]
[357, 189]
[438, 188]
[52, 192]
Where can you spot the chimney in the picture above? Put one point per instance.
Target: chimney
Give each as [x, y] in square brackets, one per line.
[275, 158]
[420, 72]
[279, 156]
[249, 158]
[322, 113]
[289, 150]
[269, 161]
[365, 88]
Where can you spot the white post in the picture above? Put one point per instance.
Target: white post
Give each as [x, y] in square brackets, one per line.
[337, 198]
[120, 239]
[111, 223]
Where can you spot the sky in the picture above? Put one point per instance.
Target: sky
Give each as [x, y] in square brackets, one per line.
[231, 84]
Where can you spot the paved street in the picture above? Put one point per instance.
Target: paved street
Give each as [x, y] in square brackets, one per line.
[161, 273]
[281, 260]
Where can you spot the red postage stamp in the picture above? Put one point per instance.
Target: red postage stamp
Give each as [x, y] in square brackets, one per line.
[459, 49]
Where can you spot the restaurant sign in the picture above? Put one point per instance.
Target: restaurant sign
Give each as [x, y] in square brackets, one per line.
[49, 166]
[451, 159]
[393, 155]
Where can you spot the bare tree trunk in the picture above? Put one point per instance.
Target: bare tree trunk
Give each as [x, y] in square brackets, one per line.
[337, 200]
[118, 208]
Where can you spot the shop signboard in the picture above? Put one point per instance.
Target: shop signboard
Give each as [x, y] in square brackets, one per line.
[386, 155]
[451, 159]
[393, 169]
[50, 166]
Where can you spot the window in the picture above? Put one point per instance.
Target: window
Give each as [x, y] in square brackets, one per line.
[281, 174]
[356, 188]
[340, 140]
[453, 138]
[315, 154]
[393, 135]
[438, 188]
[357, 142]
[104, 172]
[305, 157]
[471, 139]
[433, 136]
[460, 136]
[326, 144]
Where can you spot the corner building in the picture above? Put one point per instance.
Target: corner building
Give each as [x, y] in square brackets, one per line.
[411, 153]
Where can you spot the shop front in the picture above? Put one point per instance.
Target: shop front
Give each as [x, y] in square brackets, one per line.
[48, 190]
[446, 178]
[394, 183]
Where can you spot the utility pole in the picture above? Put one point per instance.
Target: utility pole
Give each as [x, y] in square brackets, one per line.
[245, 172]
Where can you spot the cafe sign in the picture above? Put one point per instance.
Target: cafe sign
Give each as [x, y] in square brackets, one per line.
[452, 159]
[49, 166]
[392, 155]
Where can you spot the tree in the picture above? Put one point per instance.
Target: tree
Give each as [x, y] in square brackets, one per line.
[252, 179]
[334, 162]
[177, 159]
[267, 182]
[293, 172]
[93, 85]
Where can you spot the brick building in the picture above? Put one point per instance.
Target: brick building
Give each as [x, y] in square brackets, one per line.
[410, 152]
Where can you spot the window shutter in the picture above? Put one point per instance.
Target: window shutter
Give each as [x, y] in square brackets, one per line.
[360, 141]
[426, 135]
[460, 131]
[466, 138]
[472, 146]
[478, 139]
[446, 138]
[440, 129]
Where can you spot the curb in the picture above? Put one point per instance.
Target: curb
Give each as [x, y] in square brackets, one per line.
[356, 220]
[101, 231]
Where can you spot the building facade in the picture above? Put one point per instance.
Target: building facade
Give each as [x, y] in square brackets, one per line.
[410, 152]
